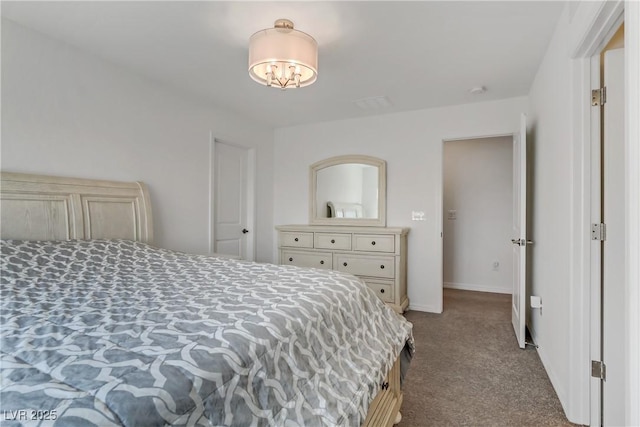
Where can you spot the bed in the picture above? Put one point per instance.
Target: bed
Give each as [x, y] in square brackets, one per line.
[344, 210]
[99, 327]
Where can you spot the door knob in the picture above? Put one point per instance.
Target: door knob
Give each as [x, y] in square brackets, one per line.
[521, 242]
[245, 231]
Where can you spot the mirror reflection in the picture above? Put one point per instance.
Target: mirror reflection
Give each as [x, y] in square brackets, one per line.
[347, 190]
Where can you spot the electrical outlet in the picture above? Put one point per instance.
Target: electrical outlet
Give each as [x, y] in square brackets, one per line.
[496, 265]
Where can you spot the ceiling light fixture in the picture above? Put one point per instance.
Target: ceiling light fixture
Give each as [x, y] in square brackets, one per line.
[283, 57]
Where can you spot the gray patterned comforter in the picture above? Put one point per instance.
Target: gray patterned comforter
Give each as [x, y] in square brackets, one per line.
[115, 332]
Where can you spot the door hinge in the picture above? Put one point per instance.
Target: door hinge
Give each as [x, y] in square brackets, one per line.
[599, 232]
[598, 96]
[598, 370]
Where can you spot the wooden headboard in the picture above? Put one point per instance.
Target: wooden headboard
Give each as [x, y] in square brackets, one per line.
[39, 207]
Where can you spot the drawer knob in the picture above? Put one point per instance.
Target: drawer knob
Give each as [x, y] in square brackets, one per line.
[333, 240]
[290, 259]
[321, 261]
[382, 291]
[296, 239]
[382, 266]
[373, 243]
[345, 264]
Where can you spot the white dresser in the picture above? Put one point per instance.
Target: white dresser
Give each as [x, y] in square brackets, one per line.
[376, 254]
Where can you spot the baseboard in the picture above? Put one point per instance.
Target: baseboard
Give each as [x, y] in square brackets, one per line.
[477, 288]
[553, 377]
[425, 308]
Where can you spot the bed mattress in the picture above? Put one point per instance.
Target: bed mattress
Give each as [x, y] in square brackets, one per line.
[115, 332]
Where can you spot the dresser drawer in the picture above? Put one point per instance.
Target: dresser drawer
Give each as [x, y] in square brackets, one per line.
[364, 265]
[374, 243]
[296, 239]
[384, 289]
[307, 259]
[340, 241]
[376, 254]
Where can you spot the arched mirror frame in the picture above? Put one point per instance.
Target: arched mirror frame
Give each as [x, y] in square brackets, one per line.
[381, 221]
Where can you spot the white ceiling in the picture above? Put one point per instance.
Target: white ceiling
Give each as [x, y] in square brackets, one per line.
[419, 54]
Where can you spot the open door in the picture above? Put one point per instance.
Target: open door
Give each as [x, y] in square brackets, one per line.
[613, 244]
[519, 230]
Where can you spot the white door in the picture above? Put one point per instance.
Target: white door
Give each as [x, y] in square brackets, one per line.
[613, 248]
[231, 233]
[519, 231]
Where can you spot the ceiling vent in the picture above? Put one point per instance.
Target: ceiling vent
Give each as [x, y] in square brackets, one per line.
[373, 103]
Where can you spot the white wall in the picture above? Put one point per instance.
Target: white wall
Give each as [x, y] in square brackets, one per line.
[66, 112]
[550, 211]
[478, 179]
[411, 143]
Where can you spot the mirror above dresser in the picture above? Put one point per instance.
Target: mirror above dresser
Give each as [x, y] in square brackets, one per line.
[348, 190]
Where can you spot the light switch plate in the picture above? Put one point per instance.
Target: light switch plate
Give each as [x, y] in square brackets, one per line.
[417, 216]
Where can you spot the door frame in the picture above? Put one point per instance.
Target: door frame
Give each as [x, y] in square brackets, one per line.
[592, 25]
[440, 201]
[251, 195]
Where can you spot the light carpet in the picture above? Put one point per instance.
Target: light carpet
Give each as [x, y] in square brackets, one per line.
[469, 371]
